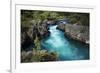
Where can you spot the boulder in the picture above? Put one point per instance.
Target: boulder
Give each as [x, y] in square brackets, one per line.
[76, 32]
[61, 27]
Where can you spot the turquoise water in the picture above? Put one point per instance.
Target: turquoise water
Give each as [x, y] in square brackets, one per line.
[66, 48]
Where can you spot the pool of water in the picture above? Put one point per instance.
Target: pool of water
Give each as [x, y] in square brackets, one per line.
[66, 48]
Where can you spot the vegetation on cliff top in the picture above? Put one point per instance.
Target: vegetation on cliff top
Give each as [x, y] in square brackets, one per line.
[73, 17]
[33, 28]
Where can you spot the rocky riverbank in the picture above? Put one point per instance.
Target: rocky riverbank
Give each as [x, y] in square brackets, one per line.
[31, 37]
[28, 34]
[76, 32]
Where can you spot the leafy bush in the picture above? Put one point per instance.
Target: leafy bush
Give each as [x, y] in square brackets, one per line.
[37, 43]
[38, 56]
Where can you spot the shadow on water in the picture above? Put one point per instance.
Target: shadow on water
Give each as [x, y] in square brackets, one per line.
[66, 48]
[82, 47]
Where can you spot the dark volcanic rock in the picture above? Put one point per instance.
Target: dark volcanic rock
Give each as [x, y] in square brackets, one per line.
[28, 34]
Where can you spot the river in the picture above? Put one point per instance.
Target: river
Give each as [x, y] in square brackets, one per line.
[65, 48]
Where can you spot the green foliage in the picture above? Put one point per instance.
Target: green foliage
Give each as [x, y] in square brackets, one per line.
[44, 15]
[37, 43]
[38, 56]
[49, 56]
[84, 18]
[27, 15]
[80, 18]
[54, 15]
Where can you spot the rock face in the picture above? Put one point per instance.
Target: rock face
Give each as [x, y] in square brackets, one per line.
[26, 38]
[61, 27]
[76, 32]
[28, 34]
